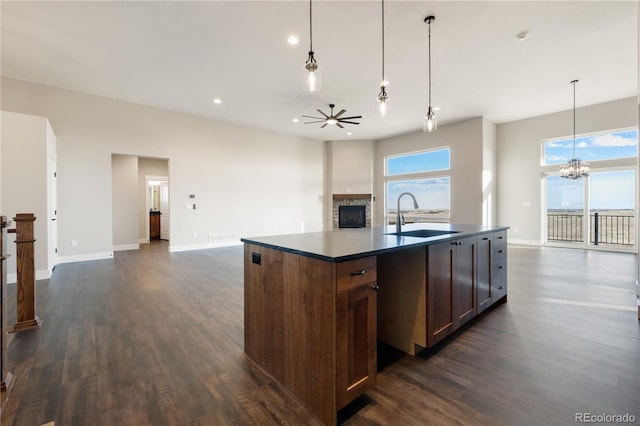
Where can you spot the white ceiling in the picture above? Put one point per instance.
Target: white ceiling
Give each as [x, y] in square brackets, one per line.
[180, 55]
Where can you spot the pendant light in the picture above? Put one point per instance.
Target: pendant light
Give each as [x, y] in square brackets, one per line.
[575, 168]
[312, 77]
[383, 98]
[430, 122]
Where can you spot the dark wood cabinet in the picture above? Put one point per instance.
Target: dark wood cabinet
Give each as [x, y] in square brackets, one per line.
[499, 265]
[451, 287]
[154, 225]
[356, 343]
[484, 259]
[492, 268]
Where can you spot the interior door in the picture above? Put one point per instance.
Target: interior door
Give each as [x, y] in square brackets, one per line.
[164, 209]
[52, 212]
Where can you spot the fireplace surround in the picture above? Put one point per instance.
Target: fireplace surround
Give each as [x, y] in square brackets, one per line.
[354, 214]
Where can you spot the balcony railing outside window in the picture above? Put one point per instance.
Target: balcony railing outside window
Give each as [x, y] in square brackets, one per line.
[611, 230]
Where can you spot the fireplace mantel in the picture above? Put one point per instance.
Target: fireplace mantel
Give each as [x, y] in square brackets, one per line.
[351, 196]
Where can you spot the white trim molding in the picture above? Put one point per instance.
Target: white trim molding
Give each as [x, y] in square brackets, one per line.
[173, 249]
[85, 257]
[43, 274]
[123, 247]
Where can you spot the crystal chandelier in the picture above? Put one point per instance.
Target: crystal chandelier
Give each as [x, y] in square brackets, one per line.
[575, 168]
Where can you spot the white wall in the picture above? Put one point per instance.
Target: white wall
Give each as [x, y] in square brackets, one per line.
[247, 182]
[147, 167]
[24, 183]
[352, 166]
[465, 139]
[124, 181]
[520, 173]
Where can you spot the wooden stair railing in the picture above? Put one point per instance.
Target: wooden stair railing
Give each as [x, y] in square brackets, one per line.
[26, 281]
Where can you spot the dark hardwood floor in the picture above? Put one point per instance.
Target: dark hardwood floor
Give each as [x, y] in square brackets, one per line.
[156, 338]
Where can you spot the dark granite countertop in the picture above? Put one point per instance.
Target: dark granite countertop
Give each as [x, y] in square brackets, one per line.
[347, 244]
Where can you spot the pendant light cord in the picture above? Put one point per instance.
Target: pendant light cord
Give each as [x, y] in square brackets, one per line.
[574, 117]
[310, 28]
[429, 64]
[383, 43]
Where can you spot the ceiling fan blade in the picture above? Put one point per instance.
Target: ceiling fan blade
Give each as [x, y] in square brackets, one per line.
[350, 118]
[310, 116]
[319, 121]
[340, 125]
[324, 125]
[325, 115]
[340, 113]
[348, 122]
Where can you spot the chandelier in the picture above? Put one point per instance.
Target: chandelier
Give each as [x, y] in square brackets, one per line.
[575, 168]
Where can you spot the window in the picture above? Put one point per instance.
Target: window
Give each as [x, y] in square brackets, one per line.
[423, 180]
[602, 146]
[599, 209]
[417, 162]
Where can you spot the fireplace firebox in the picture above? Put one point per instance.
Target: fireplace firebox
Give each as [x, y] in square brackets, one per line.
[352, 216]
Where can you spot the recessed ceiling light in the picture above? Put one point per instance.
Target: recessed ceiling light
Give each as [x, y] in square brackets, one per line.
[295, 120]
[217, 101]
[436, 108]
[349, 133]
[293, 40]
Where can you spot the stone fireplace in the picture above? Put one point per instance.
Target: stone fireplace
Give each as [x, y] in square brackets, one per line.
[351, 217]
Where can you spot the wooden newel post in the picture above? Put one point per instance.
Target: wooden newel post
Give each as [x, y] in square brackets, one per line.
[5, 379]
[26, 271]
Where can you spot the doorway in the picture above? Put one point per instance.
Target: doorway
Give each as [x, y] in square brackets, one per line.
[157, 204]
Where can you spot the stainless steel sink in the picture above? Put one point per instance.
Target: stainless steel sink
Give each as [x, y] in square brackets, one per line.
[422, 233]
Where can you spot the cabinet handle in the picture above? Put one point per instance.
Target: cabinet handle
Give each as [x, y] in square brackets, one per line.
[500, 238]
[456, 243]
[485, 238]
[500, 287]
[362, 272]
[375, 287]
[500, 267]
[500, 251]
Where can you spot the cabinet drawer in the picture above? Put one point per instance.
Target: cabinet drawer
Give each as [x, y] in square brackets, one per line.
[499, 277]
[356, 272]
[499, 246]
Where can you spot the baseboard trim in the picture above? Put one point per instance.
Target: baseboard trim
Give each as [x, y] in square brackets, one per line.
[40, 275]
[143, 241]
[190, 247]
[123, 247]
[85, 257]
[525, 242]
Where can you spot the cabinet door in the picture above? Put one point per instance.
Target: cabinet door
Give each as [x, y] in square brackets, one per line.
[355, 342]
[484, 288]
[440, 291]
[464, 281]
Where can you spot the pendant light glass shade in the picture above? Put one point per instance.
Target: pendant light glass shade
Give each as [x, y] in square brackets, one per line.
[312, 79]
[430, 121]
[383, 98]
[574, 168]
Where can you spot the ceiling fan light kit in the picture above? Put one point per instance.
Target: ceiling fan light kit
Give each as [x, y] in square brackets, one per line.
[332, 119]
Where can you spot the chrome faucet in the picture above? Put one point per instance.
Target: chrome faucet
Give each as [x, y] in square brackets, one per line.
[400, 218]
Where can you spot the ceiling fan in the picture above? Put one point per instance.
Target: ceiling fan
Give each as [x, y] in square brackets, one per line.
[332, 119]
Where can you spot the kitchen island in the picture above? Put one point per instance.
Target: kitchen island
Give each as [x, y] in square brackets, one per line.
[317, 303]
